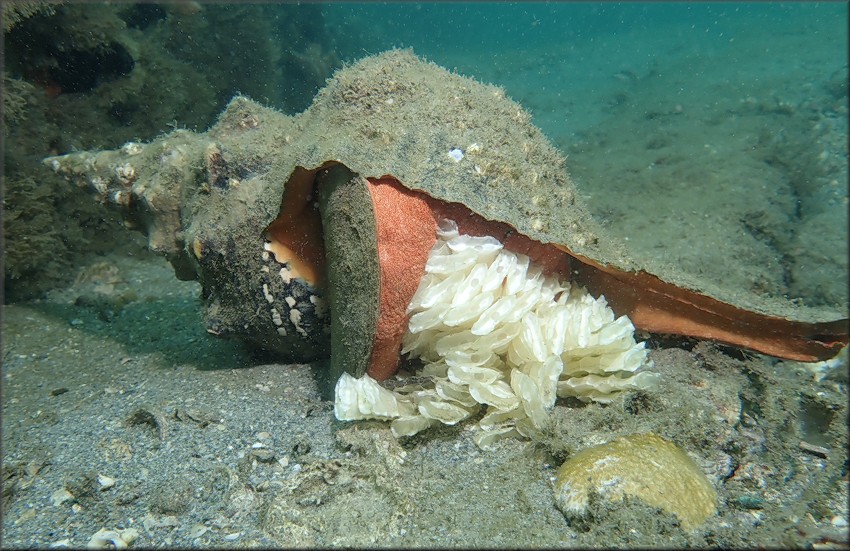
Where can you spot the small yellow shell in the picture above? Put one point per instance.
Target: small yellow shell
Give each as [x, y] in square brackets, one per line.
[644, 466]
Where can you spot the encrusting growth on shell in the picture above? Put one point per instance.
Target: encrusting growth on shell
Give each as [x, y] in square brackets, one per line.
[492, 329]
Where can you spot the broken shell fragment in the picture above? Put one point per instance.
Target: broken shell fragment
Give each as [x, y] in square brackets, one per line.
[310, 234]
[113, 539]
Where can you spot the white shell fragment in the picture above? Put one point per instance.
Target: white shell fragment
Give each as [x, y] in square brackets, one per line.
[456, 154]
[105, 482]
[60, 496]
[493, 331]
[113, 539]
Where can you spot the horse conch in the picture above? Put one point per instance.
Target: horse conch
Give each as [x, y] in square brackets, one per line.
[311, 234]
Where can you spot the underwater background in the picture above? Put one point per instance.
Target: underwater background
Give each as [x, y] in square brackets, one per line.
[680, 121]
[675, 117]
[712, 137]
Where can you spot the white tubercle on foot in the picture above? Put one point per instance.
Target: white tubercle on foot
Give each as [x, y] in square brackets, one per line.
[492, 330]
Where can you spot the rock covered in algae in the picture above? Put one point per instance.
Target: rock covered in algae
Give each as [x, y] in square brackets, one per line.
[643, 466]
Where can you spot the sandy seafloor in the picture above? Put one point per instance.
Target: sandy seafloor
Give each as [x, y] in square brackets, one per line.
[717, 143]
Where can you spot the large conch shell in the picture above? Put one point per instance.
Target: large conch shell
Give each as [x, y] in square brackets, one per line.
[308, 233]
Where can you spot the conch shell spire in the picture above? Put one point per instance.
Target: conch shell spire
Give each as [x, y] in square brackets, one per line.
[146, 183]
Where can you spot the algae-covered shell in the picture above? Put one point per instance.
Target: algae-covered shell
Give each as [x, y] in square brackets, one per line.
[643, 466]
[205, 200]
[271, 213]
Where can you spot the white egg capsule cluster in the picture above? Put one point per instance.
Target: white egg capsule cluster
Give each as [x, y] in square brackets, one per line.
[491, 329]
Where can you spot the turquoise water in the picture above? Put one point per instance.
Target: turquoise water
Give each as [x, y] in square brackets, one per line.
[711, 136]
[555, 57]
